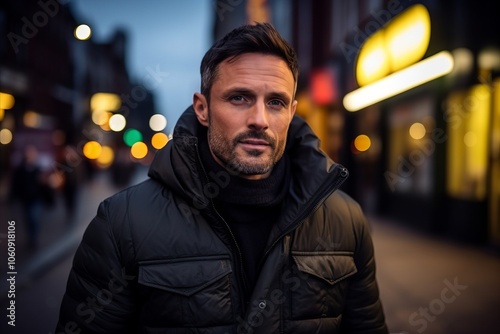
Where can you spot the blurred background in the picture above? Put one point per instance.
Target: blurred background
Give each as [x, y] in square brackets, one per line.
[405, 94]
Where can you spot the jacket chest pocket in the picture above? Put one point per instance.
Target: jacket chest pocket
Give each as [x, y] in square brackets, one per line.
[321, 281]
[186, 292]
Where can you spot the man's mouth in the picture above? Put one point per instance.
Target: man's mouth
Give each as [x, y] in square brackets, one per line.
[254, 142]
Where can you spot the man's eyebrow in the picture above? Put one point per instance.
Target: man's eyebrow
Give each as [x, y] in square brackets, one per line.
[248, 92]
[238, 90]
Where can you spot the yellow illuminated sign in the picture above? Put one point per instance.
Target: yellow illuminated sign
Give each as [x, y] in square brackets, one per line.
[372, 63]
[401, 43]
[389, 62]
[396, 83]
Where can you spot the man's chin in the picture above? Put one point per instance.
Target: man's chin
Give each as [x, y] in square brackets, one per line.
[248, 168]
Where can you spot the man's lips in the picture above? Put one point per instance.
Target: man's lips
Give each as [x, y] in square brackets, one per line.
[255, 142]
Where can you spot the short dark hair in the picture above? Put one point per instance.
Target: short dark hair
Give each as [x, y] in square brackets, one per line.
[259, 38]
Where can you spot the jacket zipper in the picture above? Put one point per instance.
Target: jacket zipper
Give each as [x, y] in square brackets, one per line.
[326, 191]
[240, 275]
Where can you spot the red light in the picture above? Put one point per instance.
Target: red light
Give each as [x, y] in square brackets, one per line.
[323, 88]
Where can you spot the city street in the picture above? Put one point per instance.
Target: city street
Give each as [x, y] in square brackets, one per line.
[427, 285]
[404, 94]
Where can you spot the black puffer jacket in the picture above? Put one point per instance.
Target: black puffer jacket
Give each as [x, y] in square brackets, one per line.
[157, 258]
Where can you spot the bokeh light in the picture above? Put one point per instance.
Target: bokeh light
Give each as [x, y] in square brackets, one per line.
[5, 136]
[83, 32]
[92, 150]
[158, 122]
[159, 140]
[105, 126]
[417, 131]
[362, 143]
[132, 136]
[105, 102]
[470, 139]
[100, 117]
[117, 122]
[32, 119]
[139, 150]
[6, 101]
[106, 157]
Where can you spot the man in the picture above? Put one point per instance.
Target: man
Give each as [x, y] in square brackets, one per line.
[241, 227]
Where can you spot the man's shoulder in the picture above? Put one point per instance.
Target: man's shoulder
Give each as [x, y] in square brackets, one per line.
[335, 226]
[345, 210]
[341, 201]
[136, 200]
[133, 192]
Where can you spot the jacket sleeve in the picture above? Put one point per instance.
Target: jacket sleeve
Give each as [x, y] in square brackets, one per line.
[99, 296]
[363, 311]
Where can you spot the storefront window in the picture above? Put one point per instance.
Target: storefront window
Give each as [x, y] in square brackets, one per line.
[468, 121]
[411, 146]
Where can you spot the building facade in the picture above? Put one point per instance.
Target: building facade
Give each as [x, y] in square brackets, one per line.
[50, 85]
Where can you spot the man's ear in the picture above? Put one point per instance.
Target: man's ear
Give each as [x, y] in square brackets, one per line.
[294, 107]
[201, 108]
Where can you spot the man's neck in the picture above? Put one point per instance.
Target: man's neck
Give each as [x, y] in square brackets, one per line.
[254, 192]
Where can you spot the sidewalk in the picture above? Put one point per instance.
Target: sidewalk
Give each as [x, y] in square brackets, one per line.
[430, 285]
[60, 232]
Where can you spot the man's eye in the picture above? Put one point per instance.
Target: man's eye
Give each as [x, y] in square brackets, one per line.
[237, 98]
[276, 103]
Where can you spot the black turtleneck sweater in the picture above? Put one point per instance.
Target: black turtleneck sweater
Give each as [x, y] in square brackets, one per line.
[250, 208]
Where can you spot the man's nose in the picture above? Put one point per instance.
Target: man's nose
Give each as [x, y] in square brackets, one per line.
[258, 117]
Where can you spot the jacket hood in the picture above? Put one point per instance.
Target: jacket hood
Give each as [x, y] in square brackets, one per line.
[177, 165]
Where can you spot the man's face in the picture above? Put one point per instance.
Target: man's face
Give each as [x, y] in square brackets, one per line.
[251, 107]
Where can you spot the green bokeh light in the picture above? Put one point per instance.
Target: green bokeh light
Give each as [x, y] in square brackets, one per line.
[132, 136]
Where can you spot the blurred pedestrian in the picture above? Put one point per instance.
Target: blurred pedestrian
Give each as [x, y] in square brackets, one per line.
[241, 227]
[28, 188]
[67, 171]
